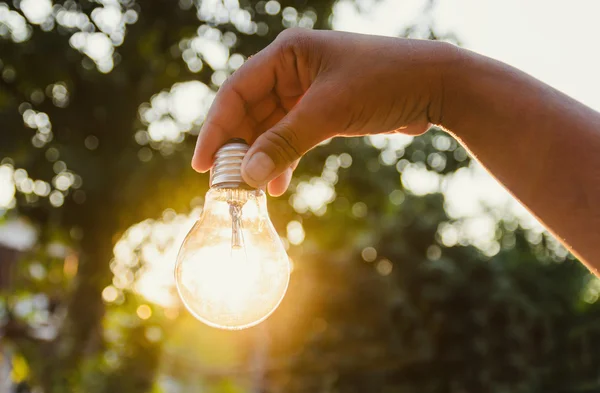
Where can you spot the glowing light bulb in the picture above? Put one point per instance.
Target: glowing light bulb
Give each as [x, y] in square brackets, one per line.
[232, 270]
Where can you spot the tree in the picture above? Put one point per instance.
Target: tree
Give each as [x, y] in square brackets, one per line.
[95, 138]
[73, 77]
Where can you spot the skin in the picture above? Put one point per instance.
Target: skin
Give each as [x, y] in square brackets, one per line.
[309, 86]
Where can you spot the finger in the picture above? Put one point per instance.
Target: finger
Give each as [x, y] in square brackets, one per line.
[208, 143]
[274, 118]
[307, 124]
[280, 184]
[252, 82]
[263, 109]
[295, 165]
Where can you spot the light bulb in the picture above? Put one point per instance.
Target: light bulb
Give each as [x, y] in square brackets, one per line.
[232, 270]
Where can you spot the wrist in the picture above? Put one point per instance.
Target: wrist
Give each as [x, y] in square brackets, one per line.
[440, 63]
[455, 71]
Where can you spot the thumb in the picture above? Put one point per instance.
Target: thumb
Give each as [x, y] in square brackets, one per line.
[278, 148]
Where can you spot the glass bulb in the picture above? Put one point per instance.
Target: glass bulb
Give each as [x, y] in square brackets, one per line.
[232, 270]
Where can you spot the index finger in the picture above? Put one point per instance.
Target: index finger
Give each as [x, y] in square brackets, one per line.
[228, 116]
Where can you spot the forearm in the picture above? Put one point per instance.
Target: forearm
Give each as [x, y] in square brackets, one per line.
[543, 146]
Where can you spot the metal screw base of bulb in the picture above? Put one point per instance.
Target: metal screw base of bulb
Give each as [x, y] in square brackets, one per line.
[227, 173]
[227, 169]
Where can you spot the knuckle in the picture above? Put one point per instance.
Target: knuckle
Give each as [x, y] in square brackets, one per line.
[285, 143]
[228, 84]
[293, 37]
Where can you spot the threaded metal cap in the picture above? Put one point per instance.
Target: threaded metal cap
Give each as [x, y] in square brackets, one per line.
[227, 169]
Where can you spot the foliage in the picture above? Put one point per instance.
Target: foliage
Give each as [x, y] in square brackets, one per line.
[95, 142]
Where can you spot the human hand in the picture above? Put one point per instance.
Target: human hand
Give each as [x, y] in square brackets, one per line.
[308, 86]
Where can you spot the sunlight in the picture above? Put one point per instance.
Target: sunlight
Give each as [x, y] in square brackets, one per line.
[97, 46]
[145, 256]
[108, 18]
[230, 279]
[420, 181]
[18, 234]
[171, 114]
[391, 141]
[295, 232]
[16, 26]
[314, 195]
[212, 51]
[153, 246]
[188, 102]
[476, 202]
[591, 293]
[7, 187]
[37, 11]
[164, 129]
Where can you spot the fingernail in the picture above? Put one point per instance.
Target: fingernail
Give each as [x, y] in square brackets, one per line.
[259, 167]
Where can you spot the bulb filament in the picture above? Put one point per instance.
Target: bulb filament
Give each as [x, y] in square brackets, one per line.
[237, 237]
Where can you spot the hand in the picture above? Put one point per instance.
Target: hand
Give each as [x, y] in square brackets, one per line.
[308, 86]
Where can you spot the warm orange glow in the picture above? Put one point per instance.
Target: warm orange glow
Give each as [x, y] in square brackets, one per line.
[70, 265]
[144, 311]
[226, 286]
[231, 283]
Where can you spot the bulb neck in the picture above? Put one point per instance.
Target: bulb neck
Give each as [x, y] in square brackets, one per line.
[227, 169]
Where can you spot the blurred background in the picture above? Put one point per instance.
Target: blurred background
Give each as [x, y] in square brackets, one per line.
[414, 271]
